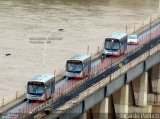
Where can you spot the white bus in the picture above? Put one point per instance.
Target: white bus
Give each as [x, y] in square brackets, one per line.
[40, 87]
[78, 67]
[115, 44]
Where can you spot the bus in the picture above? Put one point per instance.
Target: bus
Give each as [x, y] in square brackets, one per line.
[78, 67]
[115, 44]
[41, 87]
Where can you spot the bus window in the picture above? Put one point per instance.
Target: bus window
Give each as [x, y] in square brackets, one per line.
[108, 44]
[36, 89]
[74, 67]
[48, 84]
[124, 41]
[115, 46]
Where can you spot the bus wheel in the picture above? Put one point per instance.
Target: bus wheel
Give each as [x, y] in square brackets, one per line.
[29, 101]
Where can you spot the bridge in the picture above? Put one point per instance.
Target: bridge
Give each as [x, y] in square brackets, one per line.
[117, 86]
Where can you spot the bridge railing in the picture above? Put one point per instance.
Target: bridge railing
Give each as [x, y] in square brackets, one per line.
[64, 90]
[142, 24]
[10, 98]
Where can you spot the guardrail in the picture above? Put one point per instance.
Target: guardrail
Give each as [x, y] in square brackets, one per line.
[142, 24]
[10, 98]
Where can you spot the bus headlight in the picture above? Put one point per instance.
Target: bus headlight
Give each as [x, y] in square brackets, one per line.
[42, 97]
[66, 73]
[28, 97]
[81, 74]
[105, 51]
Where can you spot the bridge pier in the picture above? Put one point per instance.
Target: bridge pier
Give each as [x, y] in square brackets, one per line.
[102, 110]
[106, 108]
[153, 79]
[143, 90]
[124, 101]
[83, 116]
[132, 99]
[158, 78]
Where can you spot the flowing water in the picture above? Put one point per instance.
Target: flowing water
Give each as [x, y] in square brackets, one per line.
[25, 24]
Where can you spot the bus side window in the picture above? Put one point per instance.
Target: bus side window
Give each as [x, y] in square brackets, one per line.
[122, 41]
[52, 82]
[87, 62]
[48, 84]
[84, 63]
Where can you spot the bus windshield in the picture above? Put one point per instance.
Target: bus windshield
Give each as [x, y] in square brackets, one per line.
[74, 67]
[111, 45]
[36, 89]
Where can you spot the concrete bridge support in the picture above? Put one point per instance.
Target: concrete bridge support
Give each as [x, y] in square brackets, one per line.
[153, 79]
[158, 78]
[104, 108]
[154, 97]
[143, 90]
[83, 116]
[124, 101]
[107, 108]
